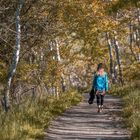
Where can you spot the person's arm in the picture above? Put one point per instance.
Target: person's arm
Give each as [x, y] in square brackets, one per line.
[106, 81]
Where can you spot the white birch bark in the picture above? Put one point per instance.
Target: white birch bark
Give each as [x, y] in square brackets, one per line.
[58, 51]
[59, 60]
[138, 33]
[131, 41]
[15, 60]
[63, 82]
[117, 50]
[110, 56]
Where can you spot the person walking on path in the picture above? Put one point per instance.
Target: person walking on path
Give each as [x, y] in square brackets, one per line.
[100, 84]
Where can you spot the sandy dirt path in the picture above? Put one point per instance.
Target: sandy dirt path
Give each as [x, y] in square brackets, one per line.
[82, 122]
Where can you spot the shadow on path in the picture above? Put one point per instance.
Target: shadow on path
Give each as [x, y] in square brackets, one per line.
[82, 122]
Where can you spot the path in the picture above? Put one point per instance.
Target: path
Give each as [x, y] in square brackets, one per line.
[82, 122]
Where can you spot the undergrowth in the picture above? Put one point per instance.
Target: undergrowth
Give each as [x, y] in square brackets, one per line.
[29, 120]
[131, 111]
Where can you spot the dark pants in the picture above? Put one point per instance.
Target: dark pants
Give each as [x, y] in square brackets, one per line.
[100, 99]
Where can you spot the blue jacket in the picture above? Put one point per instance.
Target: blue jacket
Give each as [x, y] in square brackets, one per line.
[100, 82]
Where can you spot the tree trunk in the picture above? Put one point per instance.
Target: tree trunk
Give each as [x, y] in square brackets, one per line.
[110, 56]
[57, 51]
[15, 60]
[117, 50]
[137, 41]
[63, 83]
[131, 41]
[138, 34]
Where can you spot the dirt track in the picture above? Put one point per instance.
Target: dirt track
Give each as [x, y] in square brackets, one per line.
[82, 122]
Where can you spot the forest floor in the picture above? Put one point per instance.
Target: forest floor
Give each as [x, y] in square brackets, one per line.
[82, 122]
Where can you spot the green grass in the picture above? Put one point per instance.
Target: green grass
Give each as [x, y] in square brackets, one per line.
[131, 111]
[28, 121]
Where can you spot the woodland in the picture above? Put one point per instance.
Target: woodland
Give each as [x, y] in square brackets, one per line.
[49, 51]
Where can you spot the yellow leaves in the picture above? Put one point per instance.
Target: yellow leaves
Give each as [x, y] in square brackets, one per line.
[132, 72]
[3, 72]
[26, 71]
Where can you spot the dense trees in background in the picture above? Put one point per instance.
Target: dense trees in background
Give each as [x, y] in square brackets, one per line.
[47, 47]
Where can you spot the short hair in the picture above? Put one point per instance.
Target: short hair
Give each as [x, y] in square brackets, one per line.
[100, 66]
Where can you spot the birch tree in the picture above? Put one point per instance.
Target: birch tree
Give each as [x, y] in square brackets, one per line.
[15, 60]
[117, 50]
[110, 46]
[131, 41]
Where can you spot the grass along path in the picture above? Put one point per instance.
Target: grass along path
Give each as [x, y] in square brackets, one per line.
[27, 121]
[82, 122]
